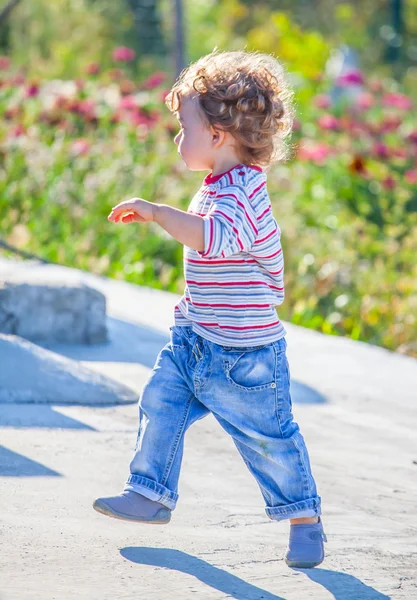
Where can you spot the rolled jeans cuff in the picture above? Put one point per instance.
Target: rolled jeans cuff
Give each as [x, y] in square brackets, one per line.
[297, 510]
[151, 490]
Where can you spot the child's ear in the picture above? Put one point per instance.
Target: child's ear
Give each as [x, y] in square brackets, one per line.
[217, 137]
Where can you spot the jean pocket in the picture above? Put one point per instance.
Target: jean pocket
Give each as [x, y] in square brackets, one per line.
[252, 371]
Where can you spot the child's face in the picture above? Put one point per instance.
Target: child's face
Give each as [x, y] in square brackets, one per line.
[195, 138]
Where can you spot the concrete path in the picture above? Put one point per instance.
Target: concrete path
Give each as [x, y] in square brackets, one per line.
[357, 408]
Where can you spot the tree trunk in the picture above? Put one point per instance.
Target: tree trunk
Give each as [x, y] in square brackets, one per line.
[148, 26]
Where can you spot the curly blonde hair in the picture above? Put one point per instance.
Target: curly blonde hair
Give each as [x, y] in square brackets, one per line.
[246, 94]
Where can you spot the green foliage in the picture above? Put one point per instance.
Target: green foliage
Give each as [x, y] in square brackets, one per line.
[346, 204]
[59, 38]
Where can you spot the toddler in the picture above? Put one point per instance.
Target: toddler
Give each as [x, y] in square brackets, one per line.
[227, 348]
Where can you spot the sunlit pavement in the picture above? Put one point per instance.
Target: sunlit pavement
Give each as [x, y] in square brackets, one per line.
[356, 405]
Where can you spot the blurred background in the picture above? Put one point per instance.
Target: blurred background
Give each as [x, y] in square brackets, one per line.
[84, 126]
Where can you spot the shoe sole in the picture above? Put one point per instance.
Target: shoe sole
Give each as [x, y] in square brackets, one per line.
[302, 565]
[106, 510]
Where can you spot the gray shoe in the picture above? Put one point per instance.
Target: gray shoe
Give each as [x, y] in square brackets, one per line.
[305, 548]
[132, 506]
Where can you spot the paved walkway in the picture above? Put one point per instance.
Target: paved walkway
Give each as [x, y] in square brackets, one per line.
[357, 408]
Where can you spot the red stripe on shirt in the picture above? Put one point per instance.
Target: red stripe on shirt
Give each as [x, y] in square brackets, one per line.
[219, 262]
[264, 213]
[242, 206]
[231, 283]
[227, 305]
[238, 238]
[211, 239]
[256, 189]
[239, 328]
[247, 216]
[274, 254]
[266, 237]
[276, 272]
[223, 215]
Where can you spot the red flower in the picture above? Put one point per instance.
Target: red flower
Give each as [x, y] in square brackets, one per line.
[92, 68]
[389, 183]
[116, 117]
[351, 77]
[123, 54]
[154, 80]
[357, 165]
[116, 74]
[11, 113]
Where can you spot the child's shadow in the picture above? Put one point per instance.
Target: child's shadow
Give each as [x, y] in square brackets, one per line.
[341, 585]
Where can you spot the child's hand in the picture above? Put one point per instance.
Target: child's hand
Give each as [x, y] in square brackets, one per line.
[133, 210]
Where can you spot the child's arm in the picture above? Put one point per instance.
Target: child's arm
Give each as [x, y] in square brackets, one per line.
[184, 227]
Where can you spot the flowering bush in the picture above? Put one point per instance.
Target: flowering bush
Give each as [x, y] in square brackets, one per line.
[346, 203]
[354, 198]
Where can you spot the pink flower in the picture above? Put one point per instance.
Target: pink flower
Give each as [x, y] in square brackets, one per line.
[164, 94]
[154, 80]
[351, 77]
[390, 123]
[375, 86]
[4, 63]
[79, 84]
[411, 176]
[365, 100]
[389, 183]
[128, 103]
[314, 152]
[399, 152]
[86, 107]
[18, 79]
[140, 117]
[32, 90]
[328, 122]
[92, 68]
[380, 150]
[123, 54]
[296, 126]
[412, 137]
[80, 146]
[116, 117]
[18, 131]
[322, 101]
[395, 100]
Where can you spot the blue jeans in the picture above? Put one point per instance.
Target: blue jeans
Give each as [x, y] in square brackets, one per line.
[248, 392]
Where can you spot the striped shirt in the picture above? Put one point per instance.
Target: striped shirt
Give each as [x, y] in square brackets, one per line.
[233, 285]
